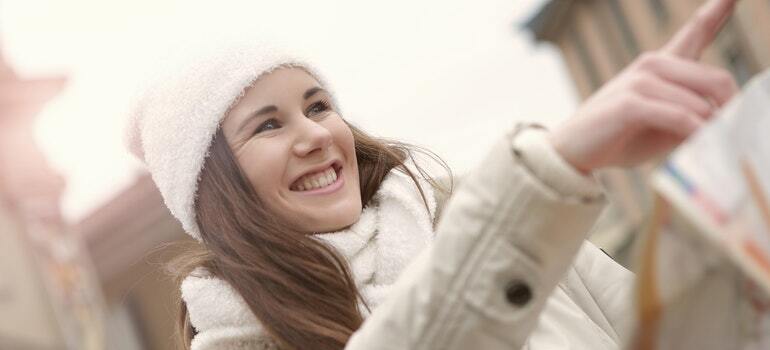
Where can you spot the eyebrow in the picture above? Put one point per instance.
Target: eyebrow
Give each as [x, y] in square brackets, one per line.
[310, 92]
[272, 108]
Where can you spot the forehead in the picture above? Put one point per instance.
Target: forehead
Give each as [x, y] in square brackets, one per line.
[281, 81]
[283, 86]
[280, 86]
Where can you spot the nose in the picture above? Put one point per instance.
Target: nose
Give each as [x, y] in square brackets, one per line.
[311, 137]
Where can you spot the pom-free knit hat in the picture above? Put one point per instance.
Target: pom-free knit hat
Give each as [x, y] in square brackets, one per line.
[175, 115]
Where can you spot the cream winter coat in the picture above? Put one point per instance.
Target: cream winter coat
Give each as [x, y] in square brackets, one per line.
[509, 269]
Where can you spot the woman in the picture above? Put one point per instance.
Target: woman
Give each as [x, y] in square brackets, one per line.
[306, 222]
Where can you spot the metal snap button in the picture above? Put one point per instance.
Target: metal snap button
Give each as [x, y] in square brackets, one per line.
[518, 293]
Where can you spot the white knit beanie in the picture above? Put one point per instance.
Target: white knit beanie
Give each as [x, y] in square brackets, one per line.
[177, 111]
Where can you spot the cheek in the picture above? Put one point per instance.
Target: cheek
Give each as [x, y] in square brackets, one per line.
[343, 137]
[264, 165]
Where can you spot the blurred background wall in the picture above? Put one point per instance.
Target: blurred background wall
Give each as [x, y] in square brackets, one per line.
[99, 282]
[47, 298]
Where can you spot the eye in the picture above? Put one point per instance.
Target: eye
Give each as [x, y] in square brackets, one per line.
[269, 124]
[318, 107]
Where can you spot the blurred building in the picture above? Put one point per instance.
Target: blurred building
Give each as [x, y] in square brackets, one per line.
[598, 38]
[96, 285]
[126, 238]
[29, 213]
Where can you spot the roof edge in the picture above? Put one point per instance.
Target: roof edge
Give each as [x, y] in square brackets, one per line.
[546, 22]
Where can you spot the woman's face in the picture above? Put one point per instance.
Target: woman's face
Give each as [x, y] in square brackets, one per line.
[296, 151]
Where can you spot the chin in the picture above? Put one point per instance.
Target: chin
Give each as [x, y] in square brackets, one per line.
[339, 222]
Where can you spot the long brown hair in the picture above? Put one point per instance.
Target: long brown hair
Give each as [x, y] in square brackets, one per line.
[300, 290]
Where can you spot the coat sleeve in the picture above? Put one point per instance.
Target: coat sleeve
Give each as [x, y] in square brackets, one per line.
[610, 287]
[507, 236]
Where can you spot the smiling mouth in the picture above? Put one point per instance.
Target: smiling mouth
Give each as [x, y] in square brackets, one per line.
[317, 180]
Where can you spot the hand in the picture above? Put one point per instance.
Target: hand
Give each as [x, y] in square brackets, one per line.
[654, 104]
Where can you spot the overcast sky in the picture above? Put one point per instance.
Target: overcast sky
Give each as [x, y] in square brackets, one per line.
[450, 75]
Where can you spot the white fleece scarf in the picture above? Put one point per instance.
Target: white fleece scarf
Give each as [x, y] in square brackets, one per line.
[391, 231]
[393, 228]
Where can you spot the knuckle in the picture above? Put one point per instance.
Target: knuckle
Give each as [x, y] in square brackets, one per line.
[702, 107]
[687, 119]
[642, 82]
[724, 83]
[725, 78]
[680, 116]
[648, 60]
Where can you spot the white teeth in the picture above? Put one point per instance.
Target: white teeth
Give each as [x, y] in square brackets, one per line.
[317, 180]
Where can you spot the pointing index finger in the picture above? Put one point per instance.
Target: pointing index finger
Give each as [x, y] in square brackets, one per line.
[701, 29]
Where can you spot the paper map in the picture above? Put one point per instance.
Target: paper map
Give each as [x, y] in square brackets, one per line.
[704, 272]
